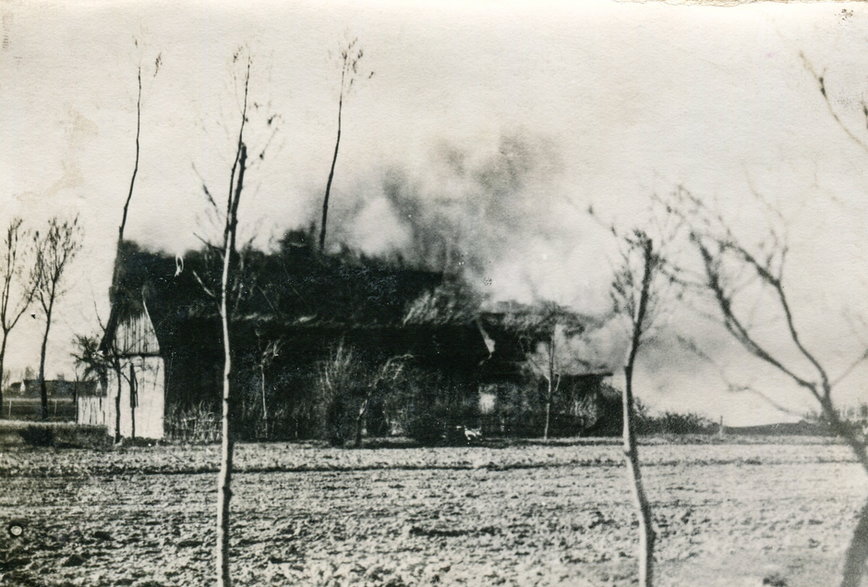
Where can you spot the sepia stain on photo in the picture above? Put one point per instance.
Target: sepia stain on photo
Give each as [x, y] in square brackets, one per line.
[416, 293]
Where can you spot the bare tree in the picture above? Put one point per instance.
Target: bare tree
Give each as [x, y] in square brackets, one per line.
[227, 444]
[385, 374]
[643, 280]
[337, 381]
[347, 386]
[234, 283]
[857, 553]
[108, 346]
[544, 362]
[350, 56]
[736, 274]
[633, 294]
[18, 284]
[55, 250]
[114, 360]
[157, 63]
[267, 355]
[90, 363]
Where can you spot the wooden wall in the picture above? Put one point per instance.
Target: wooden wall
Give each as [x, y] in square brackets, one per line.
[91, 410]
[142, 401]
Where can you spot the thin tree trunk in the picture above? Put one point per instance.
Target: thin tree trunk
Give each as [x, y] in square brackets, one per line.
[550, 382]
[843, 430]
[43, 388]
[359, 421]
[132, 408]
[857, 552]
[119, 375]
[122, 226]
[631, 450]
[135, 172]
[227, 441]
[136, 164]
[227, 444]
[325, 201]
[2, 363]
[117, 266]
[264, 403]
[643, 508]
[227, 447]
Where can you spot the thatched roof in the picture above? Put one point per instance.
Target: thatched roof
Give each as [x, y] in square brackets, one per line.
[293, 288]
[536, 319]
[298, 290]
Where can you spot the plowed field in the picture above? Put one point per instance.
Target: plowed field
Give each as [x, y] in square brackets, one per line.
[534, 514]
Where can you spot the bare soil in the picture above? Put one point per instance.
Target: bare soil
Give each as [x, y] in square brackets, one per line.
[534, 514]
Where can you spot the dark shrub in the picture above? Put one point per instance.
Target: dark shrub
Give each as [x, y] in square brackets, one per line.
[425, 427]
[675, 423]
[64, 436]
[430, 404]
[37, 436]
[338, 428]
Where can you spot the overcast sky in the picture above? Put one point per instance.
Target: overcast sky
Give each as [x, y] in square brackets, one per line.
[601, 104]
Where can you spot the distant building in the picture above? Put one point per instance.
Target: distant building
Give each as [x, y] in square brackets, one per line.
[56, 388]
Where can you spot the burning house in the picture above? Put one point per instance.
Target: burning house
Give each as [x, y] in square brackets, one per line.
[162, 370]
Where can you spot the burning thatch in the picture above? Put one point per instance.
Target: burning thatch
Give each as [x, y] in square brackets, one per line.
[307, 303]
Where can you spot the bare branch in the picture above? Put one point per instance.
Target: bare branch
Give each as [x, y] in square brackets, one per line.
[821, 82]
[766, 398]
[732, 323]
[208, 291]
[730, 385]
[208, 197]
[17, 254]
[849, 369]
[208, 244]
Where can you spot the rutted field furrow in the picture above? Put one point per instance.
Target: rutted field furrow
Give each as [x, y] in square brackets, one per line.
[536, 514]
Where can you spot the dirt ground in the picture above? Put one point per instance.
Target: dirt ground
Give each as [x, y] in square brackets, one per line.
[535, 514]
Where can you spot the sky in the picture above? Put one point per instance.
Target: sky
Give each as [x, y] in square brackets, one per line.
[491, 126]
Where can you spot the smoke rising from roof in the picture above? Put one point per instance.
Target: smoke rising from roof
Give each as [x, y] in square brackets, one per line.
[500, 215]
